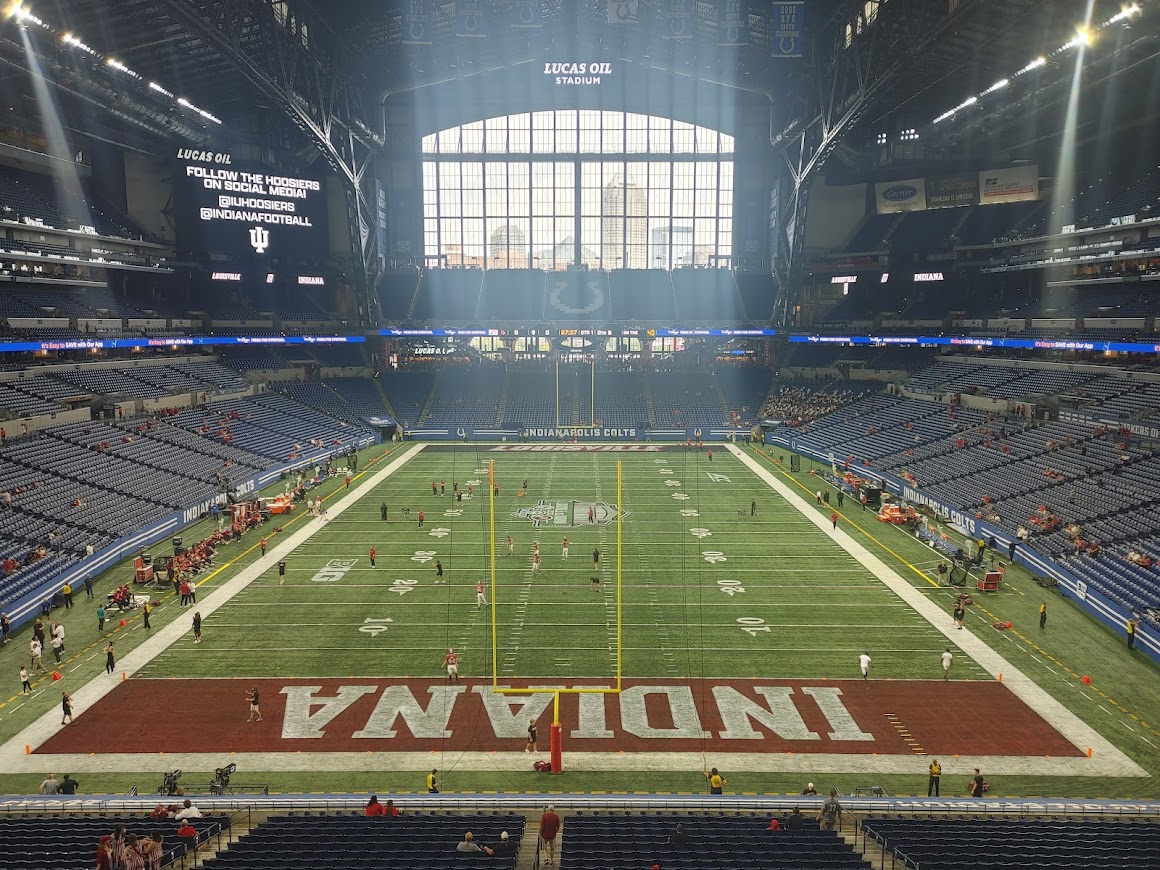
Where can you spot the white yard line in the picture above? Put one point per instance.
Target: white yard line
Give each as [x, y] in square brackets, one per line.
[12, 755]
[1106, 760]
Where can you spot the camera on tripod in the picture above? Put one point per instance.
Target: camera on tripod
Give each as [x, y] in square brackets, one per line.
[221, 779]
[169, 784]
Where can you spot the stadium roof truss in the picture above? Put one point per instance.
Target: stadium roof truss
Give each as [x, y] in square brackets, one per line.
[245, 52]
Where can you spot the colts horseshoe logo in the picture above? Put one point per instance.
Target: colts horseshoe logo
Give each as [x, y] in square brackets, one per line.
[592, 285]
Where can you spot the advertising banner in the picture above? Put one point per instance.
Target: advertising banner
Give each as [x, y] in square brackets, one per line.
[947, 191]
[787, 29]
[898, 196]
[1017, 184]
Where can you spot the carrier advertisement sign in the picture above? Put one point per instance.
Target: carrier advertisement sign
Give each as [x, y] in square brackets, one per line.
[946, 191]
[1017, 184]
[892, 197]
[227, 206]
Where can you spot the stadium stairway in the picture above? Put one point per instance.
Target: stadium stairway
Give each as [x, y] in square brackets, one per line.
[648, 401]
[429, 403]
[501, 405]
[394, 415]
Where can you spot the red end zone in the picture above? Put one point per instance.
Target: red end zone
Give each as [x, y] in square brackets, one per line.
[800, 716]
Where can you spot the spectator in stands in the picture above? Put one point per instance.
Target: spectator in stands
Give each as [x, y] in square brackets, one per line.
[809, 789]
[389, 809]
[503, 849]
[830, 813]
[152, 849]
[50, 785]
[466, 844]
[105, 853]
[679, 837]
[187, 831]
[68, 785]
[794, 822]
[188, 811]
[549, 828]
[373, 808]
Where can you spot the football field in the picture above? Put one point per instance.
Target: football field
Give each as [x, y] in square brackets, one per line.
[727, 626]
[707, 589]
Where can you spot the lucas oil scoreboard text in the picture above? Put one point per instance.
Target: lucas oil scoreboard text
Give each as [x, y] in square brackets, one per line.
[243, 208]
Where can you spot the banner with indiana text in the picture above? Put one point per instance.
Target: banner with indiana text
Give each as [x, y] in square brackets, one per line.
[896, 196]
[527, 13]
[787, 34]
[418, 22]
[1017, 184]
[733, 22]
[470, 20]
[622, 11]
[946, 191]
[678, 19]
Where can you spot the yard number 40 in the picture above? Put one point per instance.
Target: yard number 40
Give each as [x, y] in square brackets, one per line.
[751, 625]
[374, 626]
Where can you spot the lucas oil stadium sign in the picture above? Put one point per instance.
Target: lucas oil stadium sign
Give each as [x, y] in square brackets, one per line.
[577, 73]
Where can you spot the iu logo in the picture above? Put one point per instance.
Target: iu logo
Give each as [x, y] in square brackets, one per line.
[259, 238]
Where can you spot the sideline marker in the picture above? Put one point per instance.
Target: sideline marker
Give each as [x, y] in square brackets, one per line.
[1089, 752]
[27, 748]
[1000, 678]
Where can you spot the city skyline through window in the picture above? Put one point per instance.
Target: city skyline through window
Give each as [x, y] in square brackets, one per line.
[550, 190]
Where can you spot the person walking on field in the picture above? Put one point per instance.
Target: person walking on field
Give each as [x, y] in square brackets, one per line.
[753, 508]
[282, 573]
[197, 627]
[511, 546]
[564, 550]
[255, 710]
[383, 511]
[864, 665]
[110, 658]
[372, 555]
[531, 747]
[65, 708]
[438, 571]
[595, 558]
[422, 517]
[1043, 615]
[262, 544]
[146, 610]
[25, 683]
[101, 614]
[834, 519]
[451, 662]
[35, 652]
[1132, 623]
[947, 661]
[958, 615]
[480, 595]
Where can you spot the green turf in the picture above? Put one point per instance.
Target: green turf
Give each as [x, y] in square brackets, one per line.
[821, 606]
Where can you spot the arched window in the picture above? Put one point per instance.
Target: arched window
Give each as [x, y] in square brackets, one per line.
[548, 190]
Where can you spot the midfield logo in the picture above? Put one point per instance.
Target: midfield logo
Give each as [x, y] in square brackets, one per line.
[566, 514]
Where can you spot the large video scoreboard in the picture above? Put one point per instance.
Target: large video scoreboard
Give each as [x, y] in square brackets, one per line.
[242, 209]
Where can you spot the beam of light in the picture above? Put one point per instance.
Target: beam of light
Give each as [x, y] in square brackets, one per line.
[1063, 197]
[64, 174]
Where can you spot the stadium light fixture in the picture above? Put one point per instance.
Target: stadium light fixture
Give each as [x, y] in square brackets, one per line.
[1126, 12]
[153, 86]
[1002, 83]
[1035, 64]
